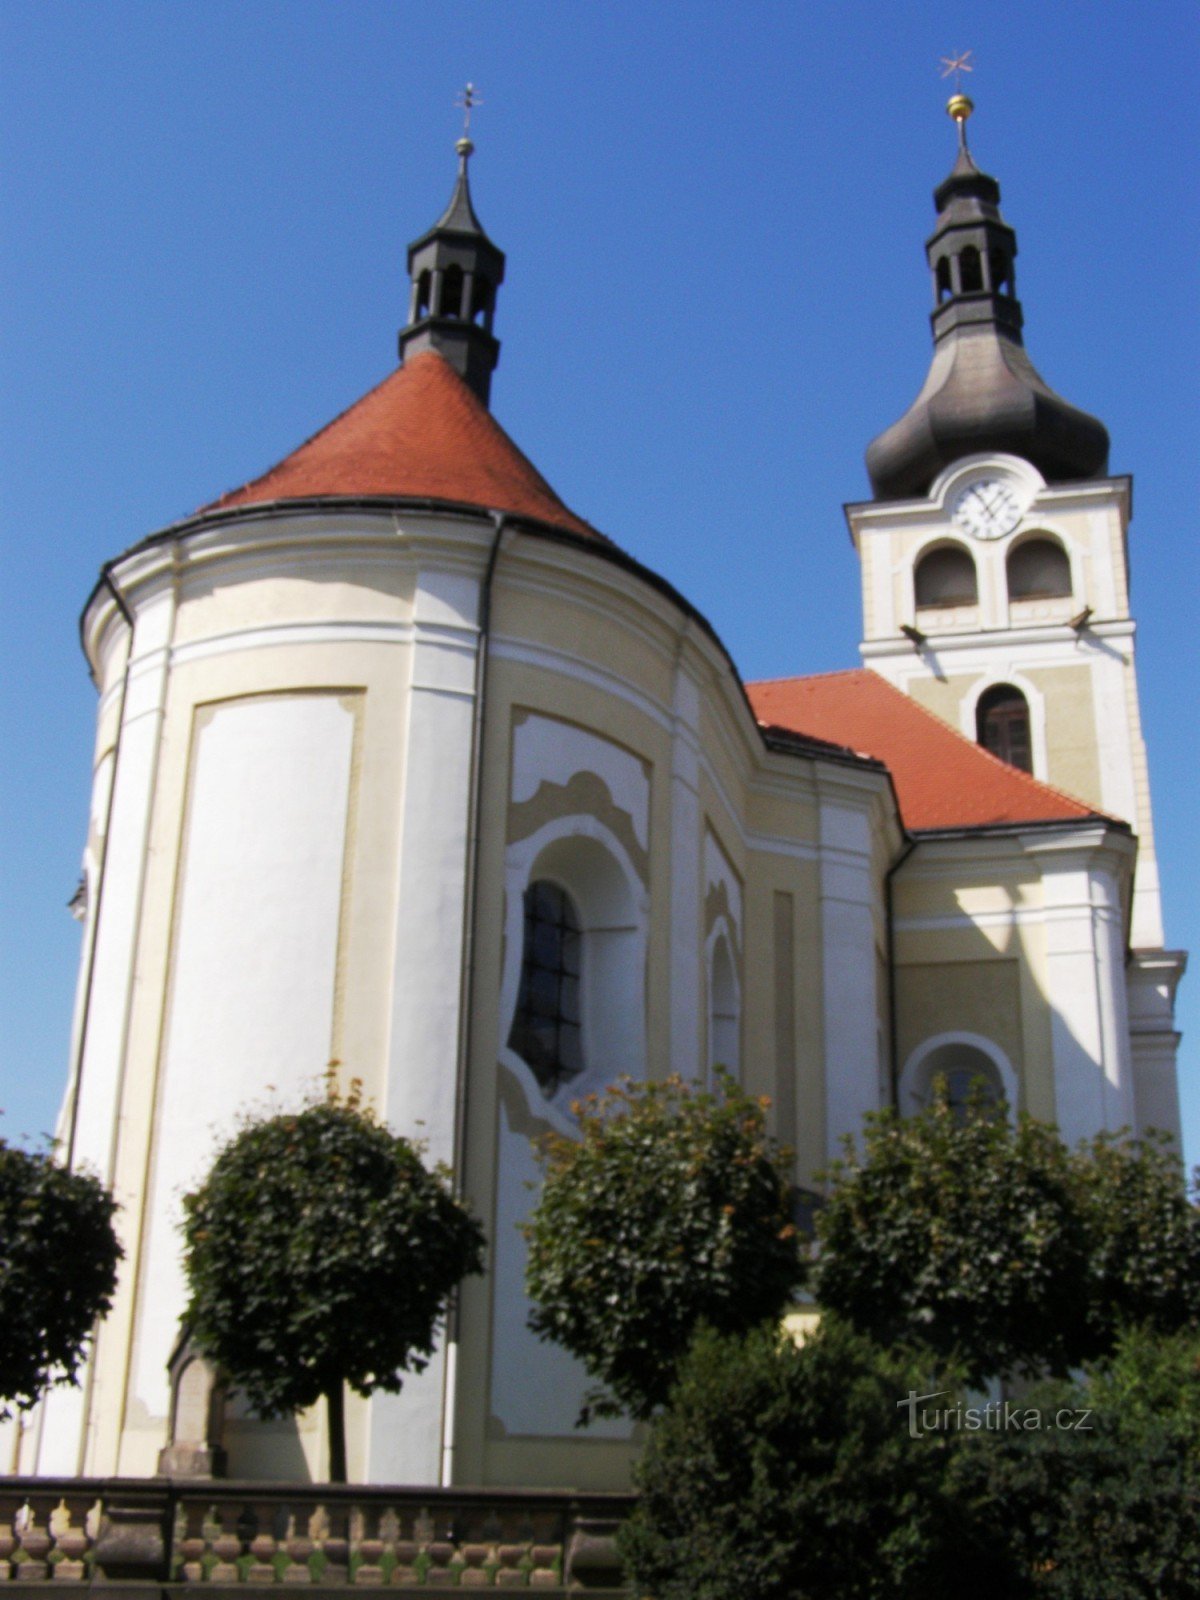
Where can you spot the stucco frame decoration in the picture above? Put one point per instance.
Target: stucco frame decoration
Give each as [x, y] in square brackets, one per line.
[914, 1074]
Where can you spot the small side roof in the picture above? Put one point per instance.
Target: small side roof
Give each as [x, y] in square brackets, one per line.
[942, 779]
[420, 434]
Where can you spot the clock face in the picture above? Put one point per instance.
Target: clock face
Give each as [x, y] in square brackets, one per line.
[987, 509]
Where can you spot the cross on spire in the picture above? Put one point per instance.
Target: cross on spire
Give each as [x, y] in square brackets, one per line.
[467, 100]
[957, 65]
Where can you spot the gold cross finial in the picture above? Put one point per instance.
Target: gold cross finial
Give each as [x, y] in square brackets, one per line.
[466, 102]
[959, 105]
[957, 65]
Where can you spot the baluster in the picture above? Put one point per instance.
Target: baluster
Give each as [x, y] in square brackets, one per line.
[299, 1548]
[225, 1545]
[408, 1548]
[366, 1546]
[32, 1566]
[8, 1538]
[260, 1542]
[336, 1547]
[192, 1544]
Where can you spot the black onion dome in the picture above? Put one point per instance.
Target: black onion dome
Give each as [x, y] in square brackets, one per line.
[982, 393]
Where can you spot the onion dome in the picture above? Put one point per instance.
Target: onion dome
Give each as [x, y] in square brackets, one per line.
[982, 392]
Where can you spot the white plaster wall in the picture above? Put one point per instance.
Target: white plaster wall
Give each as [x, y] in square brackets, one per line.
[254, 963]
[405, 1431]
[536, 1388]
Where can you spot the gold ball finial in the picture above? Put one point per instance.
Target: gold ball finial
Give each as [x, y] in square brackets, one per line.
[960, 107]
[464, 147]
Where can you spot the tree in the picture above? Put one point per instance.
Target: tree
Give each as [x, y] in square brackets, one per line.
[999, 1248]
[320, 1252]
[672, 1207]
[1098, 1500]
[775, 1472]
[1144, 1238]
[58, 1269]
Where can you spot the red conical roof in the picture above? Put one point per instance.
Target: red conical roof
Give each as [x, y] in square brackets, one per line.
[420, 434]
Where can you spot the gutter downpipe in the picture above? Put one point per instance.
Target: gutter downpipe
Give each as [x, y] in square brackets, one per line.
[81, 1041]
[889, 924]
[466, 994]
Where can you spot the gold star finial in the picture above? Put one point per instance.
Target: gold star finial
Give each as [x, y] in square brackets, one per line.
[466, 102]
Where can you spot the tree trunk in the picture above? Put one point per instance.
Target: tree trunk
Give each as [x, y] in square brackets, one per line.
[336, 1410]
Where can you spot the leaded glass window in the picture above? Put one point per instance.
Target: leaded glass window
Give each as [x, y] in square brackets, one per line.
[546, 1029]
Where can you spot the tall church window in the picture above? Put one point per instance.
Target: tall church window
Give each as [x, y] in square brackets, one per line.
[546, 1030]
[946, 577]
[1002, 720]
[723, 1009]
[1038, 569]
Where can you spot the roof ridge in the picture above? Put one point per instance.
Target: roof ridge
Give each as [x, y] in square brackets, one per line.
[211, 505]
[419, 432]
[808, 677]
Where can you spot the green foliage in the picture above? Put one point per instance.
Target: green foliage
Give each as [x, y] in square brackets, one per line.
[1106, 1510]
[778, 1472]
[672, 1207]
[1000, 1249]
[962, 1237]
[58, 1270]
[321, 1251]
[1144, 1237]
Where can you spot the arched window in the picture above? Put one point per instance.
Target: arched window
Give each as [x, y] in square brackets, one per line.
[946, 577]
[943, 279]
[1038, 569]
[1002, 725]
[969, 1075]
[723, 1009]
[481, 302]
[1001, 271]
[970, 271]
[424, 287]
[546, 1030]
[452, 292]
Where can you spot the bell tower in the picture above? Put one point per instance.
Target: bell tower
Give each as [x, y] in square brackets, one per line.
[456, 270]
[995, 566]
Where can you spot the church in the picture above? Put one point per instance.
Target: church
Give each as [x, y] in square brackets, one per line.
[402, 764]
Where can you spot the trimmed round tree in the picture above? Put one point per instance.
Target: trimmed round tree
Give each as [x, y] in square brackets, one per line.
[999, 1248]
[671, 1208]
[58, 1269]
[962, 1236]
[320, 1252]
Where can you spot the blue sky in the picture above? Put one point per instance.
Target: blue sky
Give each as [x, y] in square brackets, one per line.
[716, 295]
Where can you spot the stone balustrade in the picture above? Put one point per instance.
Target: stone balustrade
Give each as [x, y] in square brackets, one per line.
[164, 1536]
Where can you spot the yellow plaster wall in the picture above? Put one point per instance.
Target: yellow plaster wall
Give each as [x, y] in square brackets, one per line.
[1072, 756]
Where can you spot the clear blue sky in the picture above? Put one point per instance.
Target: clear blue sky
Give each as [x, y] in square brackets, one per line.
[716, 295]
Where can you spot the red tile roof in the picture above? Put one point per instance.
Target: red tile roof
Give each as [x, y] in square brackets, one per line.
[421, 433]
[942, 780]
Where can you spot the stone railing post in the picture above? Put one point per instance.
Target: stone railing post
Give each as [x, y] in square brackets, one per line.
[133, 1544]
[591, 1560]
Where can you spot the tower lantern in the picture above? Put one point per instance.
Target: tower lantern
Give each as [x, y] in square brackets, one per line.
[455, 271]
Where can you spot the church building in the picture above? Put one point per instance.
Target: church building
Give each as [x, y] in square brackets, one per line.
[401, 763]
